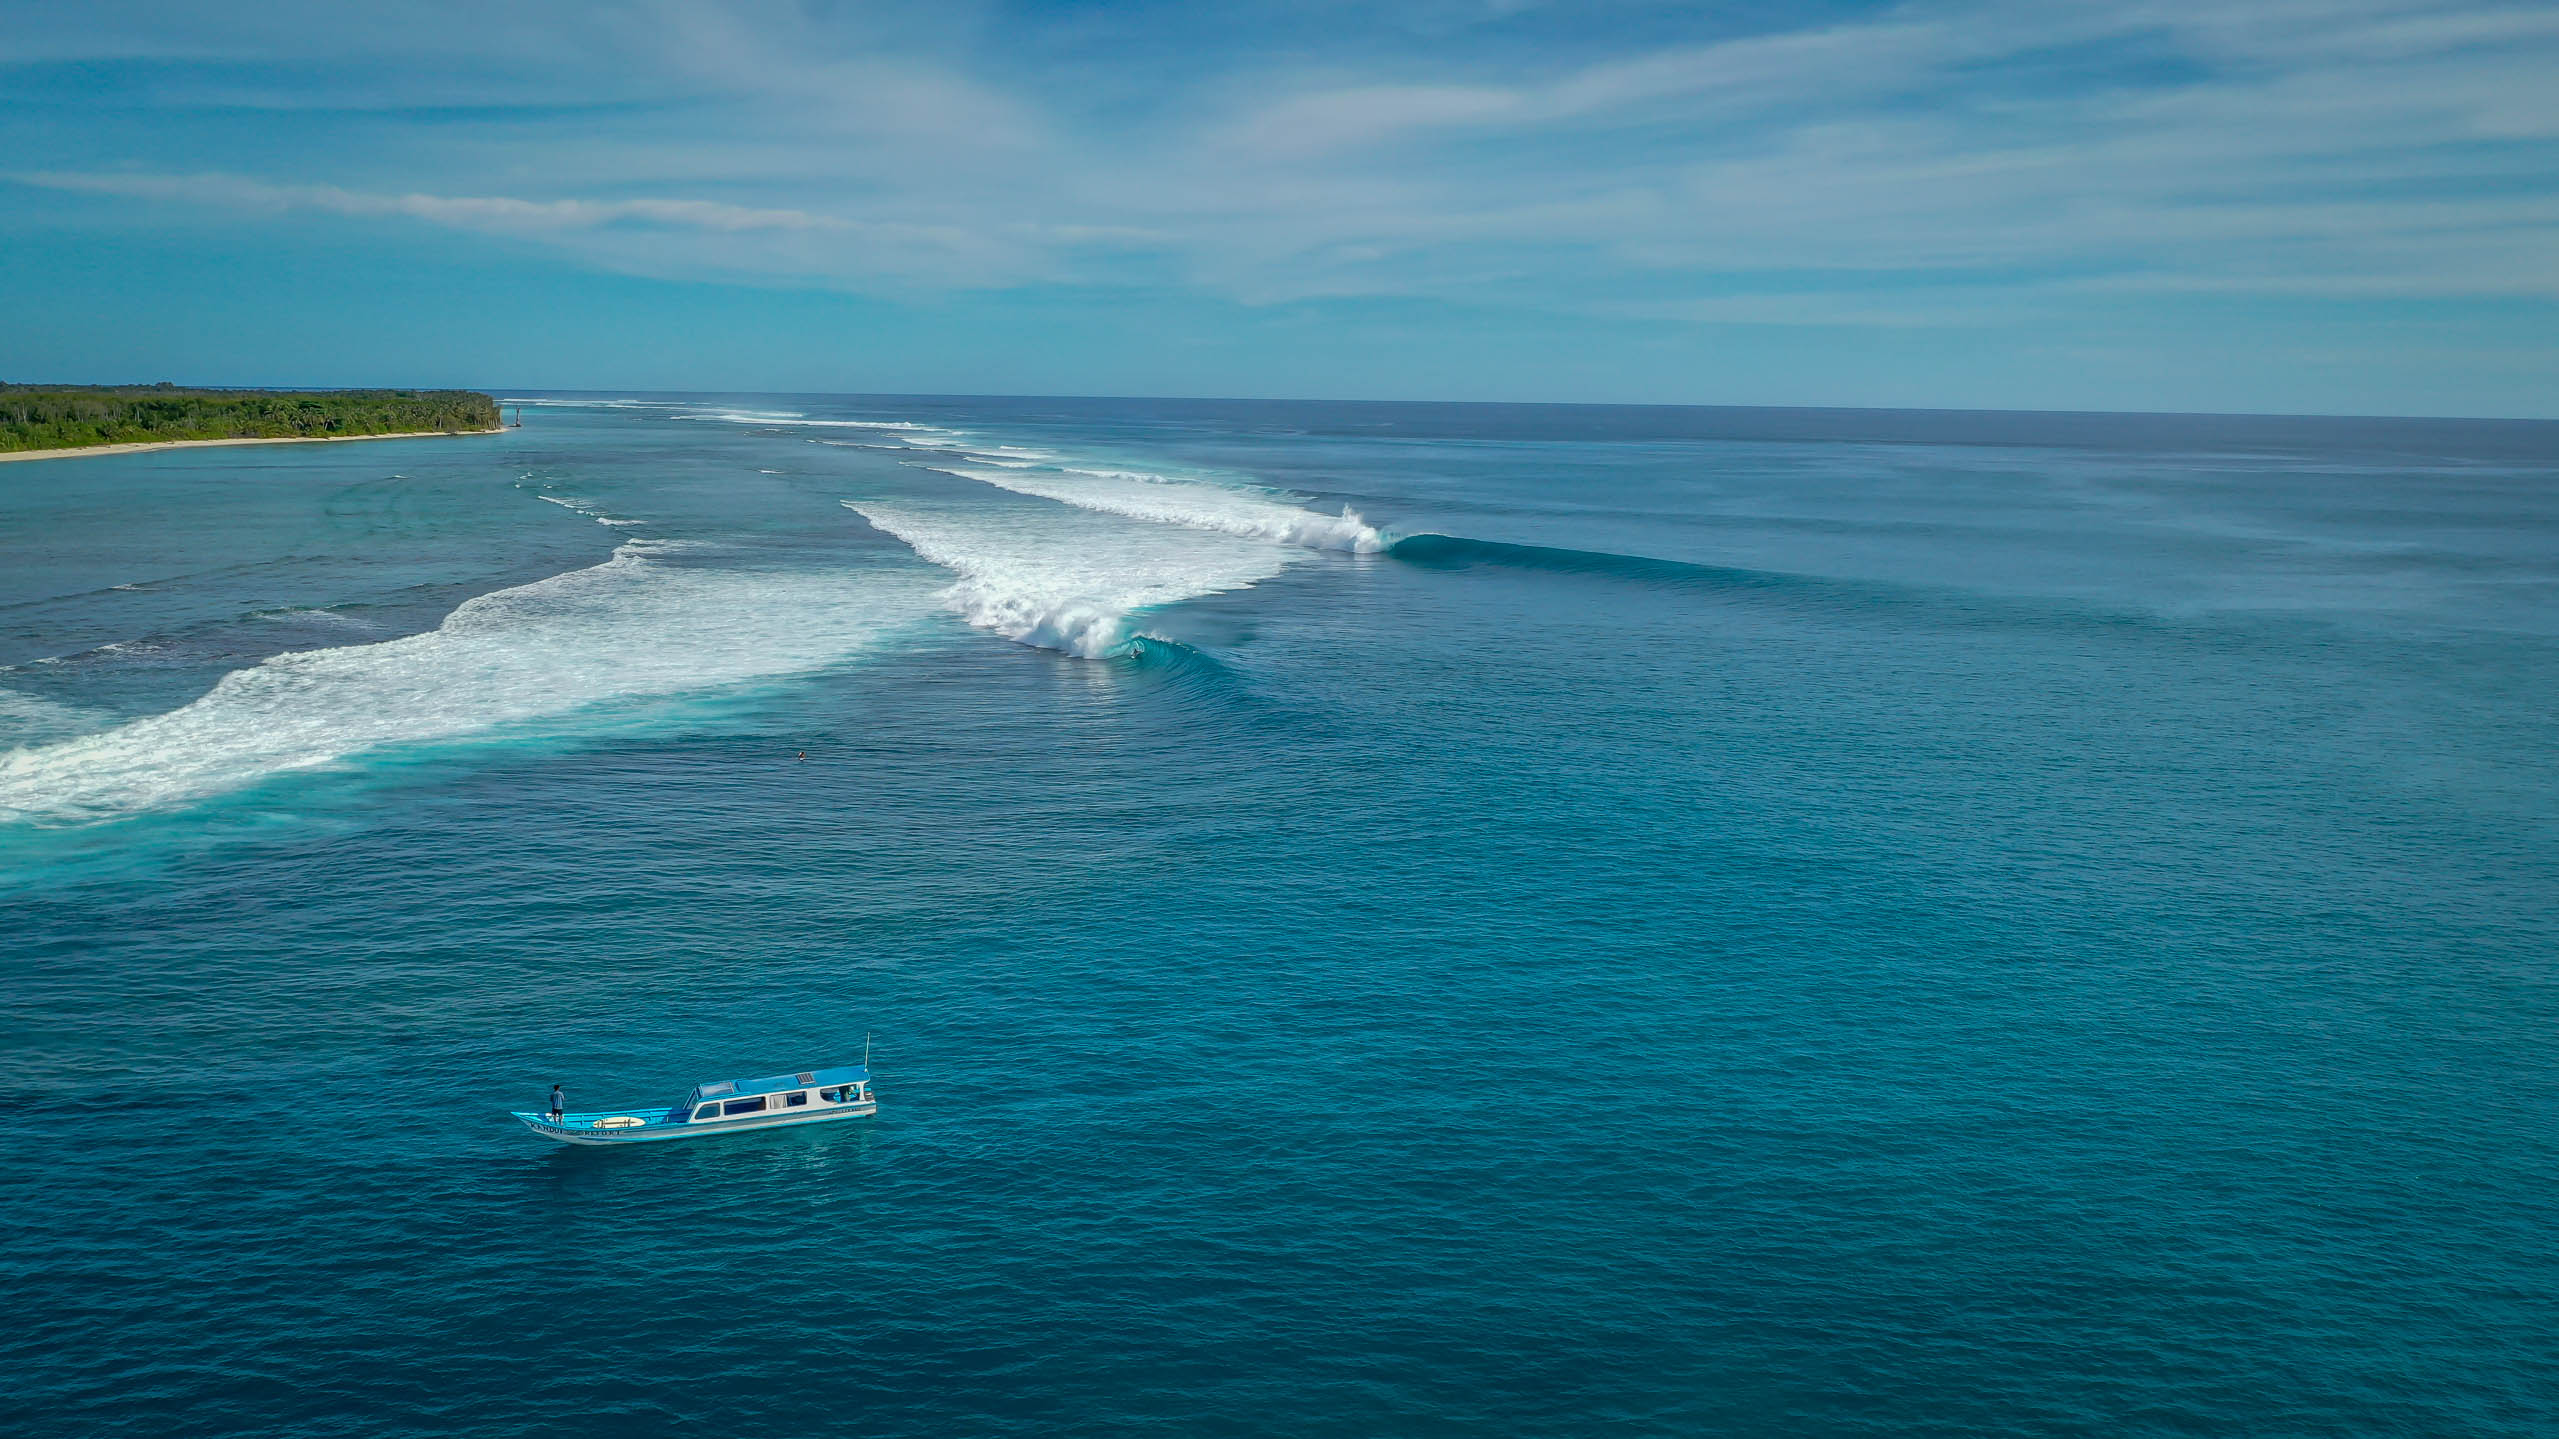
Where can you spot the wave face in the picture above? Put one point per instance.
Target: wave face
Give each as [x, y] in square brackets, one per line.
[1452, 552]
[1251, 514]
[1063, 581]
[640, 624]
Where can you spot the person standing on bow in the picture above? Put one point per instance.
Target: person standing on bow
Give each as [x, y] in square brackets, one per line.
[559, 1104]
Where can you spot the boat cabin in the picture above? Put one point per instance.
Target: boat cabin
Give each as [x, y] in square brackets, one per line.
[808, 1092]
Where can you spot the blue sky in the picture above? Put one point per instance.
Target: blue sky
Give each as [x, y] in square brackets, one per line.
[2328, 206]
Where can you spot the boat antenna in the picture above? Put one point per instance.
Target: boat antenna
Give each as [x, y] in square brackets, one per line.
[866, 1049]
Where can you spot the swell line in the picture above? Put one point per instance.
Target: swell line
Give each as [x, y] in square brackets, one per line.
[1456, 552]
[1854, 600]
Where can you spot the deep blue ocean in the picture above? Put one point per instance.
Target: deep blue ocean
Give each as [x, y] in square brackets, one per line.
[1372, 920]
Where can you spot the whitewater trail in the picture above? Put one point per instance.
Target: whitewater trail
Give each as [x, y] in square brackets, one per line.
[640, 624]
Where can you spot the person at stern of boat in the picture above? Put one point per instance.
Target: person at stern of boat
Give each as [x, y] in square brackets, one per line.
[559, 1104]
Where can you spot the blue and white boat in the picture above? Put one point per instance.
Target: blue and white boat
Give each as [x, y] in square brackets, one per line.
[730, 1106]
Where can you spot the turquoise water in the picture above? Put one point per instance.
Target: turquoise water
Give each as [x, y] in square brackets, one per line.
[1376, 919]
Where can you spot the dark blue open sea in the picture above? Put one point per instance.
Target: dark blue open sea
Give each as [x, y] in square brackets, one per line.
[1375, 920]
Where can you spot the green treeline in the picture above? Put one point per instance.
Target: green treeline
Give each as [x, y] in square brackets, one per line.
[61, 417]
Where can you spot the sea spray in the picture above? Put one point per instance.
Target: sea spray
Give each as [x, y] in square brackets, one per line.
[1063, 580]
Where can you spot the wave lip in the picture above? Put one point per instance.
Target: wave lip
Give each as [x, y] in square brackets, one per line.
[1250, 514]
[1076, 587]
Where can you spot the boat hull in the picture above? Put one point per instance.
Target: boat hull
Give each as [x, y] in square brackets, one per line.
[580, 1129]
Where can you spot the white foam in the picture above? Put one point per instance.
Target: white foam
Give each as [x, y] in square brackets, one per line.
[591, 512]
[1065, 581]
[899, 428]
[30, 719]
[634, 626]
[330, 618]
[1246, 513]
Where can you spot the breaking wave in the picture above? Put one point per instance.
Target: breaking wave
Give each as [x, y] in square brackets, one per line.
[1065, 575]
[1063, 581]
[1251, 514]
[640, 624]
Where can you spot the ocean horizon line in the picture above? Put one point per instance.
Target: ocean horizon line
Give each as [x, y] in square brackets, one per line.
[1615, 405]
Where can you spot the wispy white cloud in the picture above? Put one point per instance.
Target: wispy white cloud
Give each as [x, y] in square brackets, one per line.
[1327, 121]
[2352, 148]
[2388, 149]
[469, 212]
[674, 237]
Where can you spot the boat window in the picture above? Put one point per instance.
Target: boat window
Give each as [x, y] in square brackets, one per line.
[708, 1111]
[746, 1106]
[798, 1096]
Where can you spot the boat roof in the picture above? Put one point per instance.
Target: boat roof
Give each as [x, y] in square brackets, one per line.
[805, 1079]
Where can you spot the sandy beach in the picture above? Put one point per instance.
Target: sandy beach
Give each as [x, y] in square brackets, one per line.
[139, 446]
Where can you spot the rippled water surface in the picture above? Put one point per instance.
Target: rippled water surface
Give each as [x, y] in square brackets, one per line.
[1375, 919]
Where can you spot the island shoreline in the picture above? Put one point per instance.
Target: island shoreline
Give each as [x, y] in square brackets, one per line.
[135, 447]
